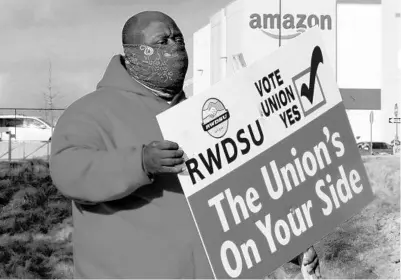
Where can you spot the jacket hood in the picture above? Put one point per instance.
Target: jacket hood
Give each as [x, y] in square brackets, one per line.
[117, 77]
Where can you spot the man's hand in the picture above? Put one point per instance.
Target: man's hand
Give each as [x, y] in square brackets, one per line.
[163, 157]
[309, 262]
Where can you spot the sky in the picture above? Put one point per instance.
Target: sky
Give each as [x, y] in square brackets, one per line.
[78, 37]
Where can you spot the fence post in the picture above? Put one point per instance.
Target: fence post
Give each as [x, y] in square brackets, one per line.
[15, 123]
[9, 145]
[48, 151]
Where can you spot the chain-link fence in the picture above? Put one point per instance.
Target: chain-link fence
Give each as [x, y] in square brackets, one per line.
[26, 133]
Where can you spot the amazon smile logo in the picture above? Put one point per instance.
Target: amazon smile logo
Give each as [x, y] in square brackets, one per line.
[295, 25]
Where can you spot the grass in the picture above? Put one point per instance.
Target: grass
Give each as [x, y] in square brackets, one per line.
[33, 218]
[36, 228]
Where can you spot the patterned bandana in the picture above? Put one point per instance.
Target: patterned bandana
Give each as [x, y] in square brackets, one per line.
[162, 69]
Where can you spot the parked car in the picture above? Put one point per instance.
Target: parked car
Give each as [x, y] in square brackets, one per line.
[25, 128]
[378, 148]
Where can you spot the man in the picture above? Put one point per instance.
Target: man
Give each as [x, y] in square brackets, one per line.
[131, 219]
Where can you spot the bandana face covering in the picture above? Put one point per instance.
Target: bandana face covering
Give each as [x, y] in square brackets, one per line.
[162, 69]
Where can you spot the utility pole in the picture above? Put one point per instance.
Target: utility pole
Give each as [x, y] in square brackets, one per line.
[396, 125]
[371, 132]
[50, 96]
[395, 146]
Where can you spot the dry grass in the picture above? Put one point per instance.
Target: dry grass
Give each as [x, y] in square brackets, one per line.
[36, 228]
[32, 216]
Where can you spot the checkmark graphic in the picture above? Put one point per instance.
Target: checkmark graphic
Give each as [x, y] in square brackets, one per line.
[309, 91]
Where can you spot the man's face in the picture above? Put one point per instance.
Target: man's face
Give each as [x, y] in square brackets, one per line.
[163, 64]
[166, 34]
[163, 33]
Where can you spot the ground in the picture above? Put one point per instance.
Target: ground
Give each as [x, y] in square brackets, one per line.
[36, 228]
[35, 224]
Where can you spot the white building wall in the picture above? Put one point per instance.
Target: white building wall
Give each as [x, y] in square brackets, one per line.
[391, 79]
[236, 37]
[359, 60]
[368, 42]
[218, 54]
[201, 63]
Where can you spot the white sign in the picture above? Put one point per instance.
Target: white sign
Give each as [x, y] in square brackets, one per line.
[272, 161]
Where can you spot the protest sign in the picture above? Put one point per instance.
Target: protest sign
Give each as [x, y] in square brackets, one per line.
[272, 162]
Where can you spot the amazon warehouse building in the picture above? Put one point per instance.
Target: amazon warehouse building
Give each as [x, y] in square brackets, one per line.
[362, 41]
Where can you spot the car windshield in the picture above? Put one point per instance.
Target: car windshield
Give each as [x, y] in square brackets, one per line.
[379, 145]
[45, 121]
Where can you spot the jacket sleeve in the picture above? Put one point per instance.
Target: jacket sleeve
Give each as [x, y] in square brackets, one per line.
[83, 170]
